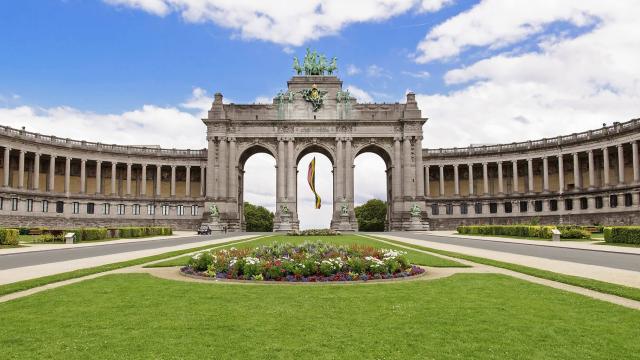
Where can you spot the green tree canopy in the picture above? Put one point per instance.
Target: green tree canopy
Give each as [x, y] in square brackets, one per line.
[371, 215]
[257, 218]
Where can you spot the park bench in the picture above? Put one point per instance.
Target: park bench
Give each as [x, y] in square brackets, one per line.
[591, 229]
[35, 232]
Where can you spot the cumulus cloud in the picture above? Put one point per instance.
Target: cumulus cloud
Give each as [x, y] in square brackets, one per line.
[567, 84]
[170, 127]
[433, 5]
[360, 95]
[417, 74]
[263, 100]
[282, 22]
[353, 70]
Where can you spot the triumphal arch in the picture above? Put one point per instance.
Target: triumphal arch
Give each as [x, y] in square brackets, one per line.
[315, 114]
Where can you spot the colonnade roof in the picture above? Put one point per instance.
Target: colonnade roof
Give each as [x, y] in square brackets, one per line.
[603, 133]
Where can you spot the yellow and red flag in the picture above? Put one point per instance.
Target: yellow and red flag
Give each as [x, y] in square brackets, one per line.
[311, 179]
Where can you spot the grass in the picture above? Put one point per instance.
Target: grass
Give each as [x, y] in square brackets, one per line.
[466, 316]
[33, 283]
[414, 257]
[596, 285]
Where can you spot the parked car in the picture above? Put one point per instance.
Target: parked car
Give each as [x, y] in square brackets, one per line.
[204, 230]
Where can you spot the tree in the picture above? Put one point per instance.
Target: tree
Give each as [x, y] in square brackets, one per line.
[257, 218]
[371, 215]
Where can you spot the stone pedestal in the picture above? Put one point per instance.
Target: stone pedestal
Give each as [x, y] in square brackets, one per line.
[214, 224]
[417, 224]
[284, 225]
[345, 224]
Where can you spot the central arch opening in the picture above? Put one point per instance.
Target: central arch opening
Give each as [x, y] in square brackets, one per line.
[257, 179]
[308, 215]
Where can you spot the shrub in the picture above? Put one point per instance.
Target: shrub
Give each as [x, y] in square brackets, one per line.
[92, 234]
[538, 231]
[622, 234]
[574, 233]
[314, 232]
[9, 237]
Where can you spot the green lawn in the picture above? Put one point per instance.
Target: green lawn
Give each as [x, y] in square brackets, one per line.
[415, 257]
[596, 285]
[479, 316]
[33, 283]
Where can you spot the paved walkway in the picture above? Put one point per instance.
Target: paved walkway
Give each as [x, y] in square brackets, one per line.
[609, 267]
[582, 245]
[29, 265]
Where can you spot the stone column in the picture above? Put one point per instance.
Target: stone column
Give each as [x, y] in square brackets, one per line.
[21, 170]
[211, 175]
[223, 164]
[232, 165]
[7, 168]
[485, 178]
[636, 161]
[143, 185]
[203, 173]
[427, 184]
[515, 176]
[52, 173]
[500, 179]
[158, 180]
[470, 166]
[605, 157]
[281, 165]
[577, 181]
[419, 168]
[128, 178]
[67, 176]
[187, 181]
[397, 174]
[545, 174]
[408, 186]
[620, 165]
[560, 173]
[83, 176]
[530, 174]
[348, 170]
[456, 180]
[36, 171]
[291, 170]
[113, 178]
[98, 177]
[592, 170]
[173, 180]
[441, 179]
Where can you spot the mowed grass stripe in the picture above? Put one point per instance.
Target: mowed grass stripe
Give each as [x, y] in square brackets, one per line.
[45, 280]
[591, 284]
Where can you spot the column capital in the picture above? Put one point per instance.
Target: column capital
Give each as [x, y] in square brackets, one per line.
[231, 139]
[441, 166]
[499, 162]
[456, 165]
[484, 163]
[590, 151]
[188, 166]
[98, 161]
[83, 161]
[545, 157]
[144, 165]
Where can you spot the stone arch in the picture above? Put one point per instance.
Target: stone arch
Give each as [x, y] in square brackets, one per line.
[246, 152]
[319, 147]
[377, 149]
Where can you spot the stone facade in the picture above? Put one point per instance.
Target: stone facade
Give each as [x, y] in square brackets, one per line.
[590, 177]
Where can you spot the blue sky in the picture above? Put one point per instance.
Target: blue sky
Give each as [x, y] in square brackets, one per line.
[98, 57]
[484, 71]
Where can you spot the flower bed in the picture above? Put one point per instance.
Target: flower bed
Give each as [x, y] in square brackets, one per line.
[307, 262]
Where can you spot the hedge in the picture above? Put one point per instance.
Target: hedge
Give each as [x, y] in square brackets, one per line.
[537, 231]
[93, 234]
[9, 237]
[622, 234]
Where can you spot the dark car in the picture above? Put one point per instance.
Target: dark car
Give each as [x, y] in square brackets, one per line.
[204, 230]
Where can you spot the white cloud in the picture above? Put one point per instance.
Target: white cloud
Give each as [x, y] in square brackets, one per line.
[434, 5]
[169, 127]
[263, 100]
[376, 71]
[281, 22]
[200, 101]
[361, 95]
[417, 74]
[353, 70]
[567, 85]
[497, 23]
